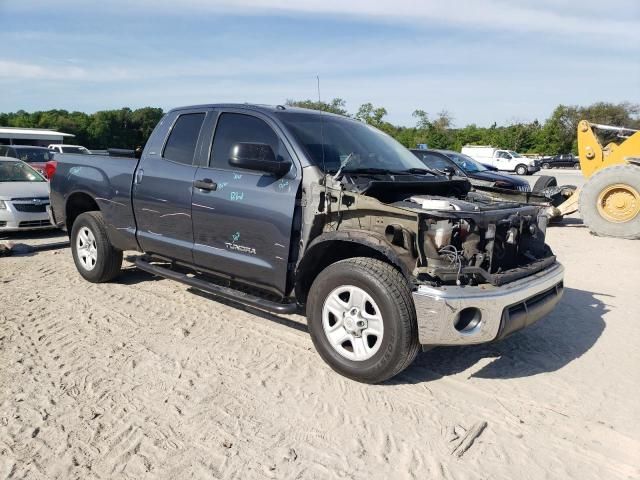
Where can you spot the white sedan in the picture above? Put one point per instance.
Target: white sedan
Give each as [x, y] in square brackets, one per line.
[24, 197]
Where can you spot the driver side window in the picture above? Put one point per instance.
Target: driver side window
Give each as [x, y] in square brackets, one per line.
[234, 128]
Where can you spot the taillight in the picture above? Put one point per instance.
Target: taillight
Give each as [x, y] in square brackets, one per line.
[50, 169]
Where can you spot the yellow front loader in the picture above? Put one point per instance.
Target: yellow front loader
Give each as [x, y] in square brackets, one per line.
[609, 201]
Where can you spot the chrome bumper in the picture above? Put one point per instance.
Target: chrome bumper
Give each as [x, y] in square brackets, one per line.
[466, 315]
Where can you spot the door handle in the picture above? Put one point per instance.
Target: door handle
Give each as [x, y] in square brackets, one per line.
[139, 175]
[205, 184]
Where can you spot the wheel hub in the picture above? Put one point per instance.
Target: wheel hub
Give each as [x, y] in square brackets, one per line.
[619, 203]
[86, 248]
[352, 323]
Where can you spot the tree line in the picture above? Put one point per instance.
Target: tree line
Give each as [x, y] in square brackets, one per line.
[127, 128]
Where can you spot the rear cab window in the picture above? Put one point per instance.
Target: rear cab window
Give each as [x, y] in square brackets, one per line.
[182, 141]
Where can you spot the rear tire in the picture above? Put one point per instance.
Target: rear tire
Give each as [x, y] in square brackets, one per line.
[521, 169]
[546, 166]
[388, 299]
[610, 202]
[96, 259]
[544, 181]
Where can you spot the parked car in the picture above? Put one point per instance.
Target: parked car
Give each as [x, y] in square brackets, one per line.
[463, 165]
[24, 197]
[504, 160]
[64, 148]
[566, 160]
[500, 186]
[37, 157]
[292, 210]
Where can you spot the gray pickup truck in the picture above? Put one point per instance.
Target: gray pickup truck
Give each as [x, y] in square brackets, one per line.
[291, 210]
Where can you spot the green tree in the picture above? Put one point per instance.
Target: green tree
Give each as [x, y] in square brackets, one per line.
[337, 105]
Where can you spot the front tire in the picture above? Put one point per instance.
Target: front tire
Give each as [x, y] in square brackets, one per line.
[521, 169]
[546, 166]
[96, 259]
[362, 319]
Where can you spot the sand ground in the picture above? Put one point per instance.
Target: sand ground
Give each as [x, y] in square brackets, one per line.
[145, 378]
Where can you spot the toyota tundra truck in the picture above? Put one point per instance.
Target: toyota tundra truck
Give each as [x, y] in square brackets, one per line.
[290, 210]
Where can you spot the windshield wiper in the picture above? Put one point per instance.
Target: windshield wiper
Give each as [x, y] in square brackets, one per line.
[371, 171]
[420, 171]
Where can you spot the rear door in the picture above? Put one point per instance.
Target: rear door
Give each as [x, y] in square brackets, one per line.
[243, 226]
[163, 186]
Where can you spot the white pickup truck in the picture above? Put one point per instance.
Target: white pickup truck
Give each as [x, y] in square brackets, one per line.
[506, 160]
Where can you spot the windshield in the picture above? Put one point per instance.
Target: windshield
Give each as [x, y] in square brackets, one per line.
[31, 155]
[348, 143]
[466, 163]
[514, 154]
[18, 172]
[74, 150]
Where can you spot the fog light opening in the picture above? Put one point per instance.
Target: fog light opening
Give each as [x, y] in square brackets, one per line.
[468, 320]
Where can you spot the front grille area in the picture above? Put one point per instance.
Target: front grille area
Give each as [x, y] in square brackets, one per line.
[34, 223]
[524, 188]
[525, 313]
[30, 199]
[30, 207]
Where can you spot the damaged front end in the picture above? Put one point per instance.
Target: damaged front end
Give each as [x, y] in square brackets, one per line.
[449, 235]
[479, 268]
[475, 241]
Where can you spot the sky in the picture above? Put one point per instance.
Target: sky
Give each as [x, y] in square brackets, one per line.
[483, 61]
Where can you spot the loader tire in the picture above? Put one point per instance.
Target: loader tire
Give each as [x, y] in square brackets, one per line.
[610, 202]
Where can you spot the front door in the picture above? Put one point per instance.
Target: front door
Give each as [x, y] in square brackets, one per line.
[243, 227]
[163, 187]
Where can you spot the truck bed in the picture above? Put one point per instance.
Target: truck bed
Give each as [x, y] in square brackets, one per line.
[108, 180]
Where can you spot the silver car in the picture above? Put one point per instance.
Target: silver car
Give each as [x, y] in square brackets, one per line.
[24, 197]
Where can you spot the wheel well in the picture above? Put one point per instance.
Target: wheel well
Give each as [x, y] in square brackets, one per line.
[324, 254]
[77, 204]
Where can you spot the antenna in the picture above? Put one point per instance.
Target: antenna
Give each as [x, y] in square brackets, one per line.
[321, 127]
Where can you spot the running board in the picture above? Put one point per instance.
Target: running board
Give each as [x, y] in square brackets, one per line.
[217, 290]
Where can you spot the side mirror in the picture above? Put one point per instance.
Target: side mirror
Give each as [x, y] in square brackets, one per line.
[258, 157]
[449, 171]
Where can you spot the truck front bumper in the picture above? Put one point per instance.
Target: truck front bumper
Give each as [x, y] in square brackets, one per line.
[464, 315]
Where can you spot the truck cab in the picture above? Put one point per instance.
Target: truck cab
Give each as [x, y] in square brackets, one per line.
[505, 160]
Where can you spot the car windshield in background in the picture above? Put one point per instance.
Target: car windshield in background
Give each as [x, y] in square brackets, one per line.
[35, 155]
[74, 150]
[465, 162]
[18, 172]
[356, 145]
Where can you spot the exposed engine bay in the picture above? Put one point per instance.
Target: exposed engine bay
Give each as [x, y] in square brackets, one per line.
[447, 233]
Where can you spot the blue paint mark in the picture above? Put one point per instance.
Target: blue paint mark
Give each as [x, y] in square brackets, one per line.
[237, 196]
[283, 184]
[222, 185]
[237, 176]
[236, 236]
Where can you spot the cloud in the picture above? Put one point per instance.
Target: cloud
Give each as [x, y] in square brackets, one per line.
[14, 70]
[559, 17]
